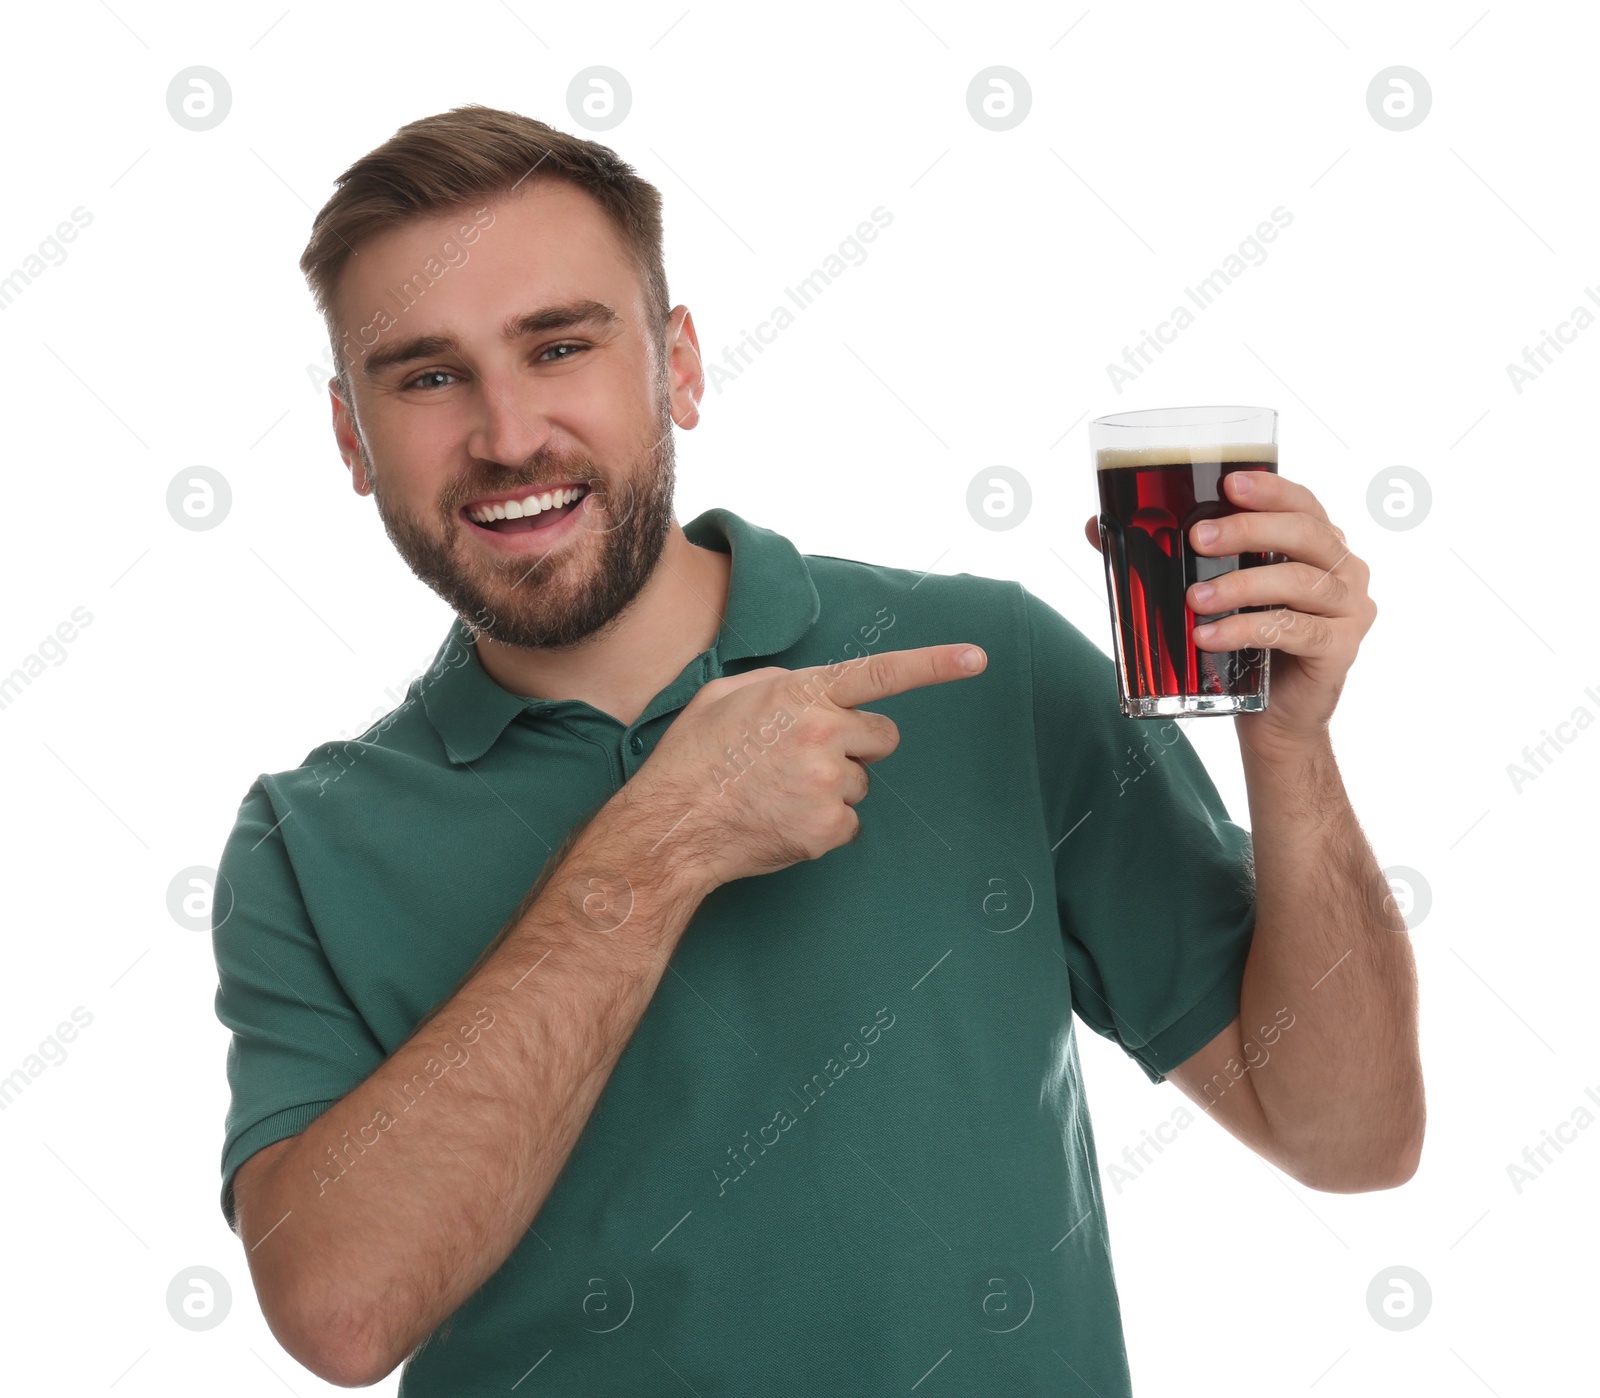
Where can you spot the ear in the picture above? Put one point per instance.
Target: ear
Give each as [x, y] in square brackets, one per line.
[349, 442]
[686, 375]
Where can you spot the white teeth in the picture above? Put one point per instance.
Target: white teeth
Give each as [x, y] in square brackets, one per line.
[534, 504]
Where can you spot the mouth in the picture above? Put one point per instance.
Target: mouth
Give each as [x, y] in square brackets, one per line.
[530, 513]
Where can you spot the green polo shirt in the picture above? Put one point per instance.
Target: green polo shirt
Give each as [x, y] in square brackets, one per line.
[847, 1149]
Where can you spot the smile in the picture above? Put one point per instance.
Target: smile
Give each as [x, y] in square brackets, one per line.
[536, 511]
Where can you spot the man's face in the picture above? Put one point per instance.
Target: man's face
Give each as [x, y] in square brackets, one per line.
[451, 411]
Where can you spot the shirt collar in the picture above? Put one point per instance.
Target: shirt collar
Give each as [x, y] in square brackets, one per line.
[772, 602]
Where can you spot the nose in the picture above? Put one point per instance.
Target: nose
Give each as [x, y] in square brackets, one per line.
[508, 423]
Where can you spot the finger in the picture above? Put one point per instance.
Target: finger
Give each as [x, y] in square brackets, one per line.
[1297, 633]
[1267, 490]
[869, 737]
[1296, 585]
[1301, 536]
[852, 682]
[859, 787]
[1091, 530]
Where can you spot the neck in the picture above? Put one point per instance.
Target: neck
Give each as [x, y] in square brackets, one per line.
[675, 617]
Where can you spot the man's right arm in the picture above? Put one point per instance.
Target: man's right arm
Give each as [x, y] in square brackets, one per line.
[356, 1262]
[354, 1274]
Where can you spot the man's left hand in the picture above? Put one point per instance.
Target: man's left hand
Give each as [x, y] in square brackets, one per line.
[1320, 610]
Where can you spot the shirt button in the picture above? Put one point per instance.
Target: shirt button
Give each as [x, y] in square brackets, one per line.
[636, 743]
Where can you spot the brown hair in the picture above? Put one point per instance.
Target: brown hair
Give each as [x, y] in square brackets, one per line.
[461, 157]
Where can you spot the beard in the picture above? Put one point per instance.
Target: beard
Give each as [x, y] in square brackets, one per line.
[560, 599]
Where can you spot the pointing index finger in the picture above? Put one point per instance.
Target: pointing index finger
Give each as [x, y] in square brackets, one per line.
[874, 677]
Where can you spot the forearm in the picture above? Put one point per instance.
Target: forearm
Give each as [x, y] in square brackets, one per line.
[1342, 1088]
[403, 1198]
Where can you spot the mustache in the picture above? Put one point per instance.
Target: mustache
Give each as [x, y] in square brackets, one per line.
[579, 469]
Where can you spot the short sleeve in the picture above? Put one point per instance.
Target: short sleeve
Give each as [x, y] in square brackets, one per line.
[298, 1043]
[1154, 883]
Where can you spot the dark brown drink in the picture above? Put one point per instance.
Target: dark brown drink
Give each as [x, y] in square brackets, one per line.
[1150, 499]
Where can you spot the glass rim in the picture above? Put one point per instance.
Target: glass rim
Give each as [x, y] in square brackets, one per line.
[1143, 417]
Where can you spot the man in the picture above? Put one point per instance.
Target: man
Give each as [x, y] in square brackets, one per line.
[593, 1031]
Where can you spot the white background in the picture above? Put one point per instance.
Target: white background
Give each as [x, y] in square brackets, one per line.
[1419, 263]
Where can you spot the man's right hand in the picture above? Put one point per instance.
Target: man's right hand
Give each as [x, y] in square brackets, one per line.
[347, 1292]
[761, 770]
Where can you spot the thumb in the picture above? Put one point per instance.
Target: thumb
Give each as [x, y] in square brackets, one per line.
[1091, 530]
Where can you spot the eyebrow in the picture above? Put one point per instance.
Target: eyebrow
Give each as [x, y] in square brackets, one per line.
[562, 317]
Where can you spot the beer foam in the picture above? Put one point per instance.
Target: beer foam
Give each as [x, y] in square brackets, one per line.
[1112, 458]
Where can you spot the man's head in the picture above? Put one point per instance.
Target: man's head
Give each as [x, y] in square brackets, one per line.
[495, 299]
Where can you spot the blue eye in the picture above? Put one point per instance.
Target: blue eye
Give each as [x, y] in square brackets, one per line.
[553, 348]
[429, 374]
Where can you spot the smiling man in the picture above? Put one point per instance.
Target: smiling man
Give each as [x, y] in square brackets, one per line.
[509, 517]
[586, 1037]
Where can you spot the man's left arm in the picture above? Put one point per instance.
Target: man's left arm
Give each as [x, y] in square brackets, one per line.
[1321, 1071]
